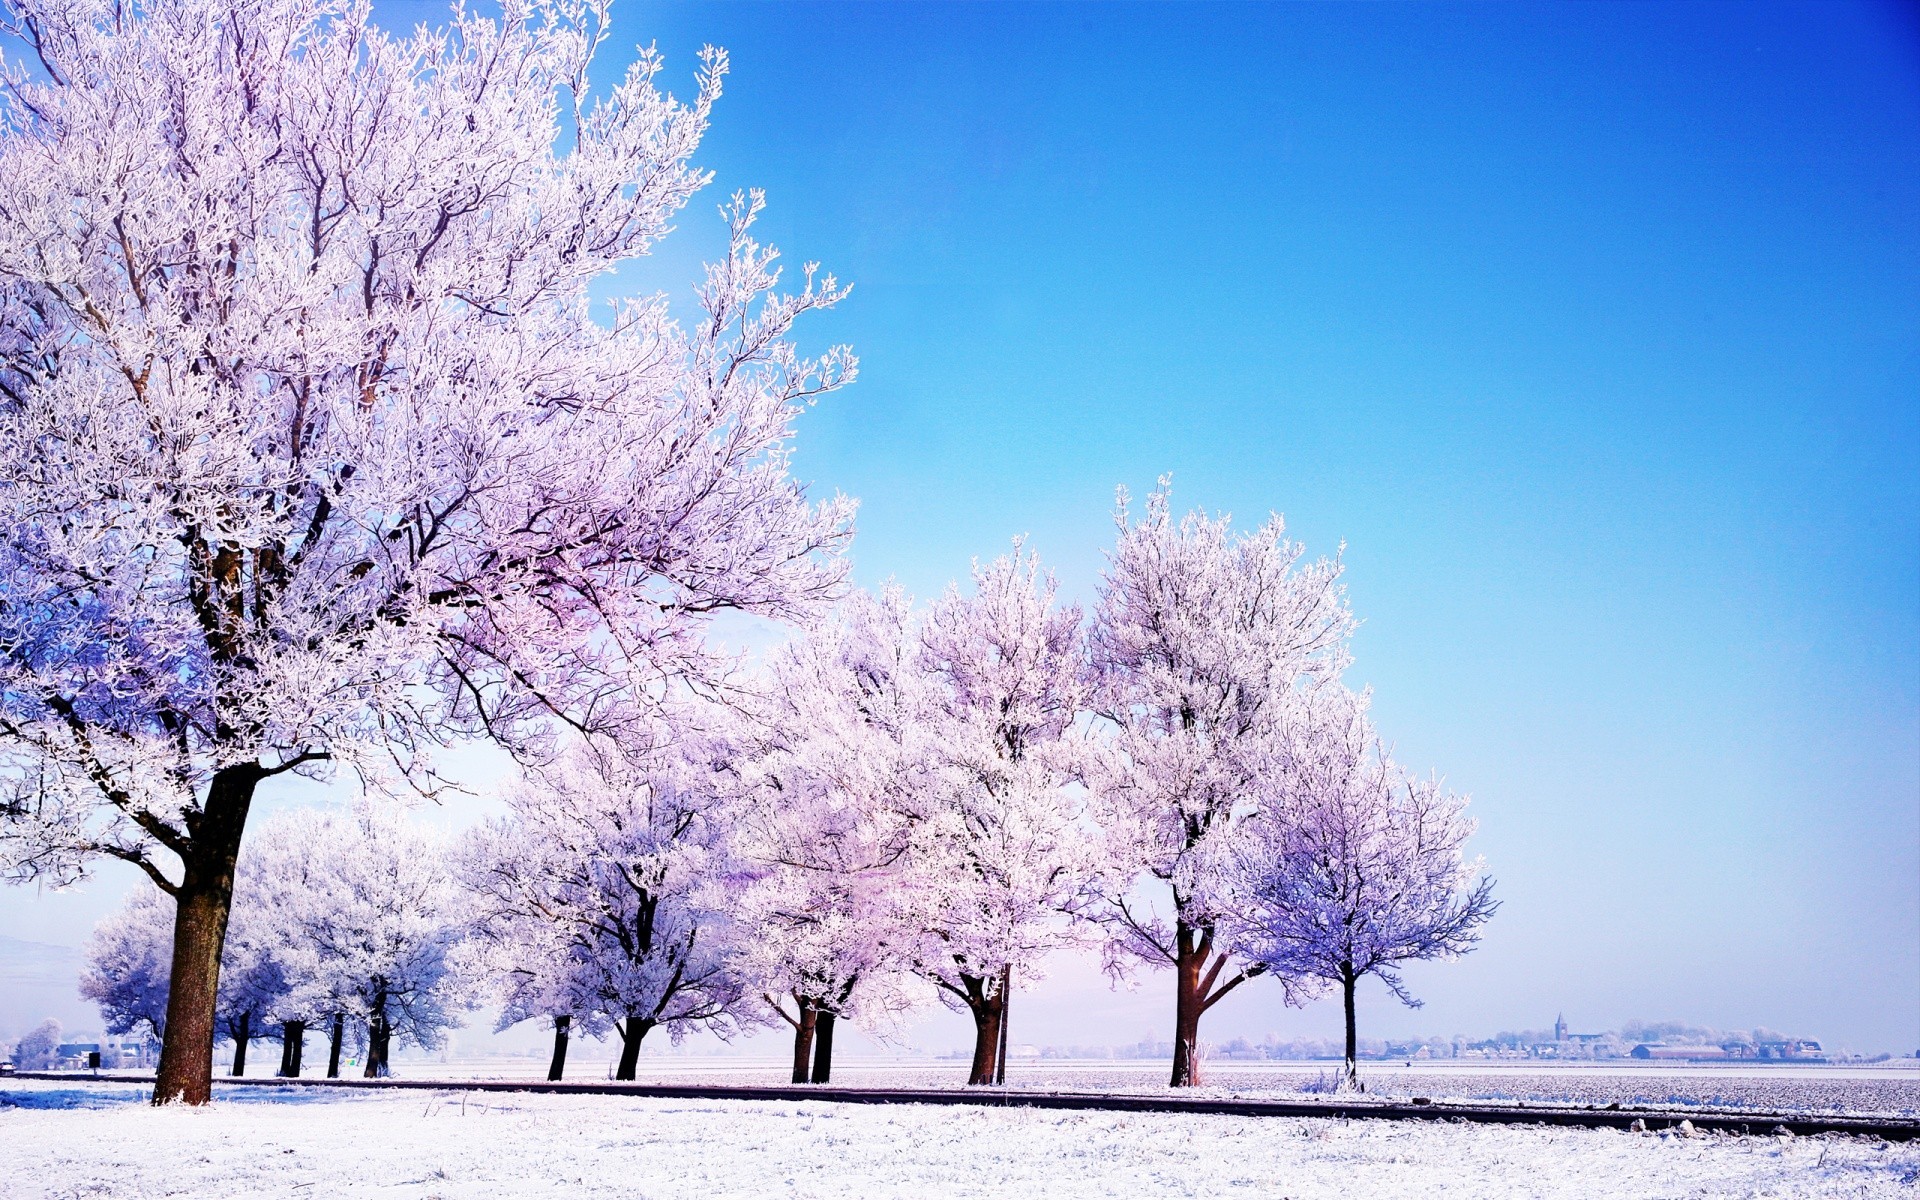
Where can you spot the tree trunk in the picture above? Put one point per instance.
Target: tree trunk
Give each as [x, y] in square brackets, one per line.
[1188, 1003]
[1006, 998]
[201, 907]
[986, 1010]
[379, 1037]
[803, 1028]
[1351, 1078]
[823, 1047]
[333, 1052]
[293, 1044]
[242, 1034]
[558, 1066]
[633, 1031]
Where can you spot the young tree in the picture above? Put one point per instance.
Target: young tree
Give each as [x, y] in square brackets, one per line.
[1001, 853]
[310, 447]
[625, 856]
[252, 975]
[820, 819]
[1352, 865]
[518, 946]
[128, 957]
[1200, 645]
[39, 1050]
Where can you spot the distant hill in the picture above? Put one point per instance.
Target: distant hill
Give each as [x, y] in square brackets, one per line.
[37, 981]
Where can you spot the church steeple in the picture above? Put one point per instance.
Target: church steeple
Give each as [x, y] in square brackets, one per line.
[1560, 1028]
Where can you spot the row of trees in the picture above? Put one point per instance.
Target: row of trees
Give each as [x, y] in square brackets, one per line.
[347, 925]
[314, 455]
[941, 797]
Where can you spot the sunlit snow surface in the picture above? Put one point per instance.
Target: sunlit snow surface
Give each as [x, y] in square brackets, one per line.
[60, 1139]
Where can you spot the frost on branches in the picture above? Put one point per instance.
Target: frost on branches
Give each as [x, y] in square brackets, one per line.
[347, 918]
[129, 960]
[1353, 865]
[1001, 852]
[616, 870]
[822, 821]
[367, 920]
[1201, 644]
[302, 407]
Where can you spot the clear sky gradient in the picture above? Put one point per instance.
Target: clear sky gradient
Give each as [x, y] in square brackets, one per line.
[1592, 331]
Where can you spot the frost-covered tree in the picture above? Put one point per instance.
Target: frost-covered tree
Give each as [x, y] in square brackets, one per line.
[1200, 645]
[368, 917]
[311, 449]
[821, 820]
[39, 1049]
[1353, 865]
[128, 969]
[1001, 852]
[252, 975]
[127, 959]
[624, 855]
[519, 948]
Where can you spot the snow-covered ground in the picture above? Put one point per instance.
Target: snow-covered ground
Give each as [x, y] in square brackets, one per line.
[1887, 1089]
[100, 1139]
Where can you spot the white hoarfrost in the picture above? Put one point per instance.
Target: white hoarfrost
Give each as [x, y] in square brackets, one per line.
[100, 1140]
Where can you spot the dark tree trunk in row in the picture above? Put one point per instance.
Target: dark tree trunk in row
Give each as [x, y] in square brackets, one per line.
[1187, 1007]
[379, 1038]
[333, 1051]
[242, 1034]
[1351, 1078]
[1196, 972]
[803, 1028]
[823, 1047]
[1006, 998]
[558, 1066]
[633, 1031]
[987, 1004]
[293, 1045]
[201, 907]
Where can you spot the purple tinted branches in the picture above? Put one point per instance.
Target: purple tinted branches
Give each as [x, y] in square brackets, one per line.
[616, 869]
[1002, 850]
[1200, 646]
[125, 974]
[367, 920]
[823, 821]
[303, 406]
[1353, 865]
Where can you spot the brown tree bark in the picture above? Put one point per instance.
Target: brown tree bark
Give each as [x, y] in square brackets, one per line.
[1197, 988]
[293, 1044]
[823, 1047]
[242, 1035]
[202, 904]
[986, 1003]
[633, 1031]
[803, 1027]
[1006, 998]
[1352, 1076]
[379, 1038]
[333, 1051]
[558, 1066]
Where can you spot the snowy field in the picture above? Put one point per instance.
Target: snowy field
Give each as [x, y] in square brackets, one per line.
[1889, 1089]
[101, 1140]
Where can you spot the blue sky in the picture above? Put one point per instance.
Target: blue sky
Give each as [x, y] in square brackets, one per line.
[1594, 333]
[1591, 330]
